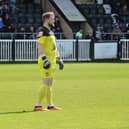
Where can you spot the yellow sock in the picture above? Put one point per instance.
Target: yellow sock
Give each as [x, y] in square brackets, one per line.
[42, 93]
[49, 95]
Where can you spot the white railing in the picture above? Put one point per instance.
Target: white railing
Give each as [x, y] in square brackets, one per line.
[124, 49]
[67, 49]
[5, 50]
[100, 36]
[26, 50]
[84, 50]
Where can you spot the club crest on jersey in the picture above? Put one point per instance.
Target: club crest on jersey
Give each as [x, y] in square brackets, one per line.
[51, 33]
[47, 74]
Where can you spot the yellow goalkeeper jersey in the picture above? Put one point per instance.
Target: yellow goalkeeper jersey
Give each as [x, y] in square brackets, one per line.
[47, 39]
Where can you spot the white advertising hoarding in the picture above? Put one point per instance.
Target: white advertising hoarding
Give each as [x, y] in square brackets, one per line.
[105, 50]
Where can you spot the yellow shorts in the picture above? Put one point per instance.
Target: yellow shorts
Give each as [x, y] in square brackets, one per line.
[46, 73]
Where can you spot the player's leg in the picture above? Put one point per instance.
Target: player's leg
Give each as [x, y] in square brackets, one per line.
[49, 92]
[45, 92]
[41, 95]
[49, 96]
[46, 89]
[43, 89]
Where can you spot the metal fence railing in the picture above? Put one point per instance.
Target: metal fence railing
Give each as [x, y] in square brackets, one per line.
[98, 36]
[26, 50]
[67, 49]
[84, 50]
[103, 36]
[6, 50]
[124, 49]
[21, 35]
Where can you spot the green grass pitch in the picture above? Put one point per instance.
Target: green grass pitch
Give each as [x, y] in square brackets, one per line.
[92, 95]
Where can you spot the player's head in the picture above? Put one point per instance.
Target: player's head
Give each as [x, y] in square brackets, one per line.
[49, 18]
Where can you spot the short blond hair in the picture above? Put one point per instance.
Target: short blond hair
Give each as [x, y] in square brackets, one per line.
[46, 15]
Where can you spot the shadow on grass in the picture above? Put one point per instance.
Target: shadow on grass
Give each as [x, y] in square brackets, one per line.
[17, 112]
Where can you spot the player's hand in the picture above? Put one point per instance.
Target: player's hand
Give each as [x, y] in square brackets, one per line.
[61, 63]
[46, 63]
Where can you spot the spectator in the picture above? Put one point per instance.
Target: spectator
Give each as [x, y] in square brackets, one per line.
[31, 31]
[7, 22]
[127, 31]
[89, 35]
[21, 34]
[115, 18]
[1, 24]
[12, 6]
[6, 19]
[57, 25]
[124, 10]
[5, 8]
[1, 10]
[116, 32]
[98, 32]
[79, 34]
[115, 4]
